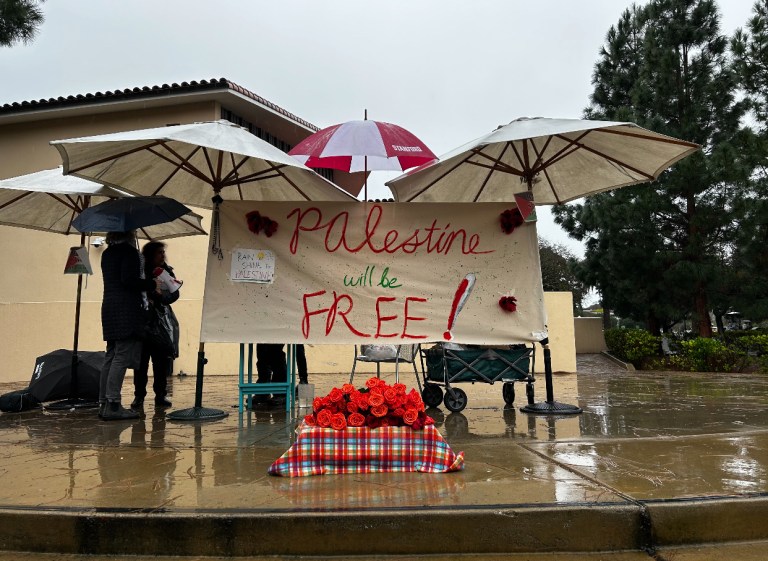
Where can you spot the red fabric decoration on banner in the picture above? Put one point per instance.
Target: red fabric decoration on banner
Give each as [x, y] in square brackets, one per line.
[508, 303]
[258, 223]
[511, 219]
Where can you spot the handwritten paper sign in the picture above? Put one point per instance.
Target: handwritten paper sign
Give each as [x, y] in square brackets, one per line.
[252, 265]
[369, 273]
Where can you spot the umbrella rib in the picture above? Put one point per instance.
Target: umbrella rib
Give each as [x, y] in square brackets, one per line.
[651, 138]
[24, 194]
[279, 171]
[497, 165]
[256, 176]
[441, 176]
[219, 163]
[235, 167]
[571, 146]
[497, 161]
[182, 163]
[194, 226]
[539, 155]
[237, 177]
[610, 158]
[115, 156]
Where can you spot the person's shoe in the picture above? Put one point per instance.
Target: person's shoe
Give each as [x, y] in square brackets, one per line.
[162, 402]
[102, 408]
[303, 380]
[137, 403]
[114, 411]
[259, 399]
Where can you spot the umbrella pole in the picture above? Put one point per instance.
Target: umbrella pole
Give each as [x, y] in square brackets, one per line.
[75, 401]
[550, 407]
[198, 412]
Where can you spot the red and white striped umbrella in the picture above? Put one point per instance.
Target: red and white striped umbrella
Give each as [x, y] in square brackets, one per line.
[362, 146]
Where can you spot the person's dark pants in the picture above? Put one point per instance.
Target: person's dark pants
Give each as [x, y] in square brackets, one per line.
[301, 364]
[161, 368]
[270, 363]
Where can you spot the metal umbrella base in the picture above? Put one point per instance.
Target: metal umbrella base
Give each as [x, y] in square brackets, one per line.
[198, 412]
[550, 407]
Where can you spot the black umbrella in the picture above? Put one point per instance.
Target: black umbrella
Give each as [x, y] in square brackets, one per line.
[52, 377]
[129, 213]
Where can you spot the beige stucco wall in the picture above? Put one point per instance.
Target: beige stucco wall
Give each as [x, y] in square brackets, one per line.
[589, 335]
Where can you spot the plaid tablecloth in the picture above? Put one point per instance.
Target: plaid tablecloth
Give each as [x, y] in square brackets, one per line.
[319, 451]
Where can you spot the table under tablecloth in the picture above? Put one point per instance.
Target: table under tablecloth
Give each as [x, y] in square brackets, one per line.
[319, 451]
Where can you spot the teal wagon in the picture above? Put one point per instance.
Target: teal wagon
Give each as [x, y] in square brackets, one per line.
[445, 366]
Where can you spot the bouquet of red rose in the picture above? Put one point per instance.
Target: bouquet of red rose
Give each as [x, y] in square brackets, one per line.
[376, 405]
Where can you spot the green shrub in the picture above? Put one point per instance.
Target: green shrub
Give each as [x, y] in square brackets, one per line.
[632, 345]
[709, 355]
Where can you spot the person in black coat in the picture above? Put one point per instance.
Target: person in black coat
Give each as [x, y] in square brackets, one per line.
[162, 358]
[123, 313]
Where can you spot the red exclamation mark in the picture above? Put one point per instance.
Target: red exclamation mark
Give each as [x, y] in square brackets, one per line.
[459, 299]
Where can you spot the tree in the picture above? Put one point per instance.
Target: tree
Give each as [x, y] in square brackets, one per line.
[655, 251]
[19, 21]
[750, 257]
[557, 274]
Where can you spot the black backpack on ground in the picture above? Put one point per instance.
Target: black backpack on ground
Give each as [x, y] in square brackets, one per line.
[19, 400]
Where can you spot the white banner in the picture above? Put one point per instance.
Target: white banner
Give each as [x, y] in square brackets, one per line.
[344, 273]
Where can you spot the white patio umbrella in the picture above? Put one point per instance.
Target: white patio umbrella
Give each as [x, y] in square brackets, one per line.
[192, 163]
[196, 164]
[554, 160]
[49, 201]
[557, 160]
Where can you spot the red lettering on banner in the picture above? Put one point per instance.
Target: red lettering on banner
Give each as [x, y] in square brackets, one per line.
[341, 306]
[337, 237]
[381, 319]
[405, 334]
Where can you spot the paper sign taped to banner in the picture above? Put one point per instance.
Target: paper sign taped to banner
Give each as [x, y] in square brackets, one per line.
[252, 265]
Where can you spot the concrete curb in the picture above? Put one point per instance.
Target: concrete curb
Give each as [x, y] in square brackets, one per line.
[610, 527]
[624, 365]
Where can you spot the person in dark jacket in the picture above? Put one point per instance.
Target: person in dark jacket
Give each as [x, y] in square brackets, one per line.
[123, 313]
[162, 358]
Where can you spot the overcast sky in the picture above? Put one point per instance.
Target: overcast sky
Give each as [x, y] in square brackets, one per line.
[446, 70]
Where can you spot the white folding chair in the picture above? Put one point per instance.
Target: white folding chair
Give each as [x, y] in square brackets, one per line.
[392, 354]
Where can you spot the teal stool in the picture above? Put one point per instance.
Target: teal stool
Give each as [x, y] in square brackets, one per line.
[249, 387]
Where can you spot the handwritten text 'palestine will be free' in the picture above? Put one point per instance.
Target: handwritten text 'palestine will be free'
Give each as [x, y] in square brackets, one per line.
[394, 318]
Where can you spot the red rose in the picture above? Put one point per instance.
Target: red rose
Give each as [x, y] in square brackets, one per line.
[335, 396]
[373, 382]
[390, 395]
[356, 420]
[352, 407]
[399, 388]
[338, 421]
[418, 424]
[324, 418]
[427, 419]
[399, 412]
[363, 402]
[317, 404]
[375, 398]
[310, 420]
[379, 410]
[410, 415]
[347, 389]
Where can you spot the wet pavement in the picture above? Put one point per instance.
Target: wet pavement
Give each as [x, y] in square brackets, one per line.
[657, 459]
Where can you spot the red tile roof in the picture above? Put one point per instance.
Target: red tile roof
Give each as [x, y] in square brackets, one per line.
[147, 91]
